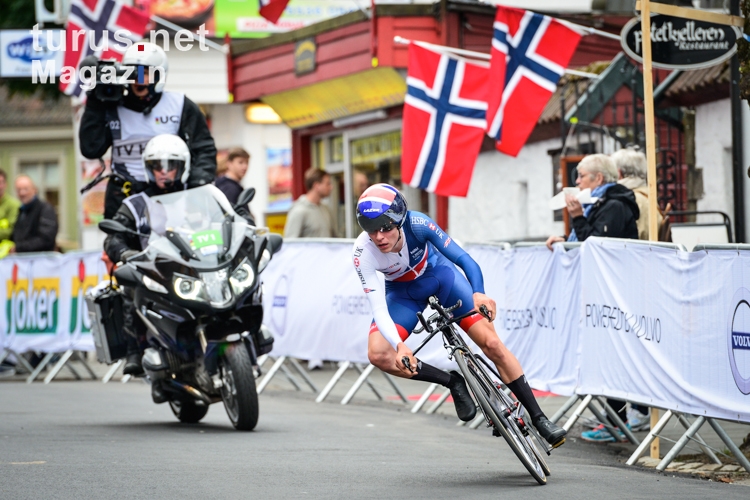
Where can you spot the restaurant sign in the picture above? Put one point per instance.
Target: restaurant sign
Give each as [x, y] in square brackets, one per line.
[679, 43]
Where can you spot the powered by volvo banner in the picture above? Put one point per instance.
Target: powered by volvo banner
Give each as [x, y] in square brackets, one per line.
[42, 301]
[666, 328]
[314, 304]
[537, 292]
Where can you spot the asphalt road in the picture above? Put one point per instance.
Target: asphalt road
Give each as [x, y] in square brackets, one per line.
[90, 440]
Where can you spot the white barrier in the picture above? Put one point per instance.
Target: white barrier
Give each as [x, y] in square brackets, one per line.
[43, 308]
[666, 328]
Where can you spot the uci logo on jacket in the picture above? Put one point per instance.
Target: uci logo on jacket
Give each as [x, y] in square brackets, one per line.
[163, 120]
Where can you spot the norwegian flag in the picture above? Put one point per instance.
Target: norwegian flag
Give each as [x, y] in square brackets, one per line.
[444, 121]
[91, 29]
[272, 9]
[529, 55]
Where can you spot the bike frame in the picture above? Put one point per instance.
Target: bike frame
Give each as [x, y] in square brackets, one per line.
[444, 323]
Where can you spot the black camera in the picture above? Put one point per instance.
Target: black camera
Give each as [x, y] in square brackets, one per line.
[106, 79]
[109, 78]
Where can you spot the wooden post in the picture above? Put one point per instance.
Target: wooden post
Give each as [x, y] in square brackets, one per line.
[648, 106]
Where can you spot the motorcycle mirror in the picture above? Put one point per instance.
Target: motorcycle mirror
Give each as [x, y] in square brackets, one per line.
[245, 197]
[274, 242]
[110, 226]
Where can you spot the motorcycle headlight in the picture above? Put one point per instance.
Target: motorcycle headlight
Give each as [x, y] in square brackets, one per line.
[242, 277]
[217, 288]
[265, 258]
[189, 288]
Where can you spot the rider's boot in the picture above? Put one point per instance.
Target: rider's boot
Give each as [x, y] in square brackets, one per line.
[465, 407]
[133, 364]
[552, 433]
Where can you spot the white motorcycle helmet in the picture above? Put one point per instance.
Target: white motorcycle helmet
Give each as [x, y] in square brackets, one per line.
[167, 152]
[149, 55]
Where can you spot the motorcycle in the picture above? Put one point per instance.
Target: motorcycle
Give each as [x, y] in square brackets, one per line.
[196, 287]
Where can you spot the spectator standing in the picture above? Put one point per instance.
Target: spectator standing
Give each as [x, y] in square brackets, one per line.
[36, 227]
[309, 217]
[236, 166]
[615, 212]
[8, 214]
[633, 170]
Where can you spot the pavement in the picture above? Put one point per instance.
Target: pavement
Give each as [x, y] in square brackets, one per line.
[91, 440]
[605, 454]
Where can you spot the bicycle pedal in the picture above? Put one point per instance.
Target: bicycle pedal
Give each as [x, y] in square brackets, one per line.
[558, 444]
[495, 432]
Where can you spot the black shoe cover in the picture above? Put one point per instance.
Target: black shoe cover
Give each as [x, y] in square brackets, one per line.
[465, 407]
[133, 365]
[553, 434]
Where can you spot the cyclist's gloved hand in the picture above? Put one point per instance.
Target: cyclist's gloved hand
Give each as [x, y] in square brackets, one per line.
[481, 299]
[403, 351]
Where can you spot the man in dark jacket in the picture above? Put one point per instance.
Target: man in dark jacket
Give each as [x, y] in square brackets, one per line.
[613, 214]
[146, 111]
[36, 226]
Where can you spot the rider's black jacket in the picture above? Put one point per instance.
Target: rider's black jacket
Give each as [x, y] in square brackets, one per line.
[95, 138]
[116, 244]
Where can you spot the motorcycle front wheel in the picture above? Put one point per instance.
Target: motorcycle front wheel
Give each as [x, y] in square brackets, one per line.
[238, 390]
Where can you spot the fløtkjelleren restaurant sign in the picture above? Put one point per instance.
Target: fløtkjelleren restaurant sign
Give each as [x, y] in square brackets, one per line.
[679, 43]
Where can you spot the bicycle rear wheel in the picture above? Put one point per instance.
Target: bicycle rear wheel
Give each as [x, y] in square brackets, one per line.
[494, 409]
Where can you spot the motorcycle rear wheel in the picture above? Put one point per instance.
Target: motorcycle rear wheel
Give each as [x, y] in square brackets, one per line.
[188, 412]
[238, 392]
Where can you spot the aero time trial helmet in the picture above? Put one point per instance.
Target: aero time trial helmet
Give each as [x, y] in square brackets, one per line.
[381, 208]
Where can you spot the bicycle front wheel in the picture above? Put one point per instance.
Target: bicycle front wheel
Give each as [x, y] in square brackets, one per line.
[494, 409]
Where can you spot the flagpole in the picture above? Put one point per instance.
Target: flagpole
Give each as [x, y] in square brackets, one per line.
[196, 38]
[478, 55]
[586, 29]
[648, 106]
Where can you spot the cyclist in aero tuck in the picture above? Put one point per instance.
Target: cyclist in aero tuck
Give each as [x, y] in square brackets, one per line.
[418, 260]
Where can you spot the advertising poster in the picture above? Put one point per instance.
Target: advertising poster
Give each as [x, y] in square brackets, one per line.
[279, 166]
[17, 52]
[92, 201]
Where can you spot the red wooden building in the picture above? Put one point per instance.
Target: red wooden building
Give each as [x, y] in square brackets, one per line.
[340, 86]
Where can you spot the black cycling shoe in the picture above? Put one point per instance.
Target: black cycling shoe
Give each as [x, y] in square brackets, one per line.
[553, 434]
[133, 365]
[465, 407]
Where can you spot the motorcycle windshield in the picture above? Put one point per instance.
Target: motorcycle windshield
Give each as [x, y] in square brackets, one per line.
[196, 217]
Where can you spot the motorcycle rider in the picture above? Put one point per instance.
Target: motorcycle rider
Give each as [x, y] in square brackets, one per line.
[167, 163]
[144, 112]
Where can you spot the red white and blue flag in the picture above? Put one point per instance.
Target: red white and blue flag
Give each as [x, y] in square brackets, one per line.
[529, 55]
[91, 29]
[272, 9]
[444, 121]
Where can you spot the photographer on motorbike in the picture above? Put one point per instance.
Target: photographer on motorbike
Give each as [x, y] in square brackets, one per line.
[166, 161]
[129, 123]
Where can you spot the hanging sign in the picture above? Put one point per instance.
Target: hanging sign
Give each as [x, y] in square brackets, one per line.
[679, 43]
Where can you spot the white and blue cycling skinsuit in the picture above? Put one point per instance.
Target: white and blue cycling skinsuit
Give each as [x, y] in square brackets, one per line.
[425, 266]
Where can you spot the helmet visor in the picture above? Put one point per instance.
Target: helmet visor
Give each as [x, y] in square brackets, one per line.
[381, 224]
[166, 165]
